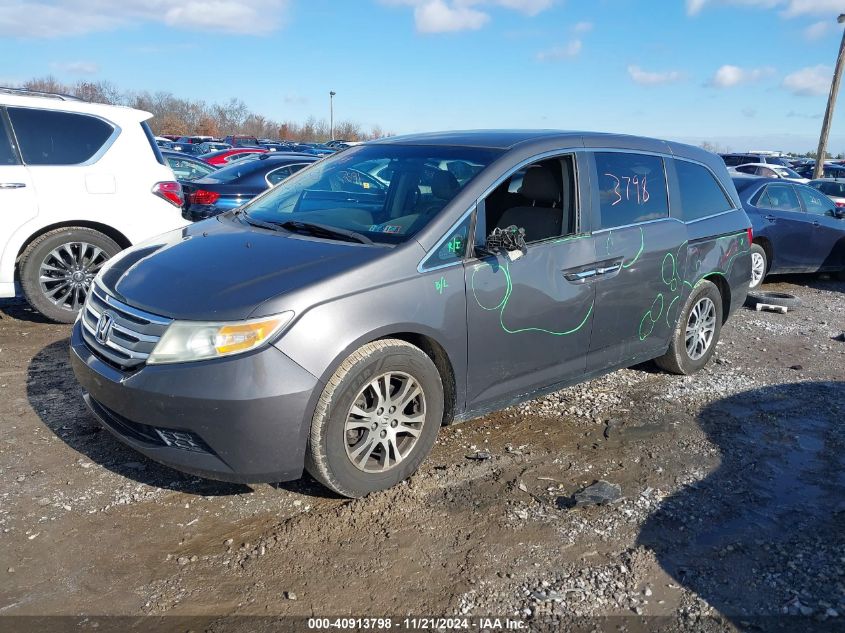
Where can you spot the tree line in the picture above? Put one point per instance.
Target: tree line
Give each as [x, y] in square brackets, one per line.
[176, 115]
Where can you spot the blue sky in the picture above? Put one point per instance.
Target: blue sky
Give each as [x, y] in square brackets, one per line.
[740, 73]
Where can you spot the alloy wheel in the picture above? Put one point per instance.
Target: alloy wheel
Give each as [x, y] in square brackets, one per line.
[67, 271]
[758, 269]
[700, 328]
[384, 422]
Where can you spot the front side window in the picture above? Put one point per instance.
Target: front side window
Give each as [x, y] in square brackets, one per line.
[701, 194]
[779, 198]
[632, 188]
[384, 192]
[48, 137]
[815, 202]
[831, 188]
[540, 198]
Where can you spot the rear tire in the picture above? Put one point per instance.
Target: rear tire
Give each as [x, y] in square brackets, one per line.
[57, 268]
[759, 265]
[696, 333]
[356, 445]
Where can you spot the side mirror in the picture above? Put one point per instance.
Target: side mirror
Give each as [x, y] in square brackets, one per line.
[510, 241]
[839, 213]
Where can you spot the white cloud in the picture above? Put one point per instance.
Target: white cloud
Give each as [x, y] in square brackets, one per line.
[445, 16]
[76, 68]
[583, 27]
[556, 53]
[811, 81]
[40, 18]
[435, 16]
[830, 8]
[648, 78]
[790, 8]
[818, 30]
[729, 76]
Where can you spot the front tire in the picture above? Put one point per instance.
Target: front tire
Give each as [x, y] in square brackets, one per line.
[759, 265]
[57, 268]
[376, 420]
[696, 333]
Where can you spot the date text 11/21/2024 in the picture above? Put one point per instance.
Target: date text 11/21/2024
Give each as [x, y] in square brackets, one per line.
[419, 624]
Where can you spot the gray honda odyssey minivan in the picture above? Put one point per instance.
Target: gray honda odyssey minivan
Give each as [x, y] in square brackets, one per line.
[338, 320]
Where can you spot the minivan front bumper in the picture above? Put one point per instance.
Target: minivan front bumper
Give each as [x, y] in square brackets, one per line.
[243, 419]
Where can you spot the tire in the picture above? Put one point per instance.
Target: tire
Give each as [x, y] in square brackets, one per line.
[679, 359]
[775, 299]
[333, 446]
[759, 266]
[69, 259]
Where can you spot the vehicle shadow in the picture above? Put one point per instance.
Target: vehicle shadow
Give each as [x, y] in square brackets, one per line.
[56, 397]
[20, 310]
[763, 537]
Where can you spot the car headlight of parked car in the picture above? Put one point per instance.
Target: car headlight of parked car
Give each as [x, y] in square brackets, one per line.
[186, 341]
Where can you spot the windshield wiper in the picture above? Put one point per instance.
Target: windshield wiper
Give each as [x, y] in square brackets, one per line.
[321, 230]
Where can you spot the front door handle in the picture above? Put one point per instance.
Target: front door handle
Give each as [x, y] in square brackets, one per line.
[581, 275]
[607, 270]
[816, 223]
[771, 218]
[12, 185]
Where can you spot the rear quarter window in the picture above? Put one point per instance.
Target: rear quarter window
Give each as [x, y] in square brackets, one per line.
[48, 137]
[632, 188]
[701, 194]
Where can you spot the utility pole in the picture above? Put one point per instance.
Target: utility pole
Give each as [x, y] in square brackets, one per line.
[333, 93]
[831, 104]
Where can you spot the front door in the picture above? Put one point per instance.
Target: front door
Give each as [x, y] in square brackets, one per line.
[529, 320]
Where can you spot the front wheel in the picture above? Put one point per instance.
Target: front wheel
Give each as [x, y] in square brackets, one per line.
[697, 332]
[376, 420]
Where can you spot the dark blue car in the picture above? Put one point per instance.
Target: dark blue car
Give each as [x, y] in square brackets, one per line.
[797, 229]
[187, 168]
[235, 184]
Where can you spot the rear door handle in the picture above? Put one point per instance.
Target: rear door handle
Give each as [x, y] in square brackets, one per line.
[816, 223]
[12, 185]
[771, 218]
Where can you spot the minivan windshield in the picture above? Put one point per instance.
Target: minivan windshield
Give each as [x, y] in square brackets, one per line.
[384, 192]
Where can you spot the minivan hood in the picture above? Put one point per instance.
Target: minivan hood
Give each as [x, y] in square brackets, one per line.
[222, 269]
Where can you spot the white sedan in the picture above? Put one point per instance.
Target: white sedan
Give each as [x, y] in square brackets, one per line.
[768, 170]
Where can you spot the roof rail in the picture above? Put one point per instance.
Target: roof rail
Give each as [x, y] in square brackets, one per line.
[37, 93]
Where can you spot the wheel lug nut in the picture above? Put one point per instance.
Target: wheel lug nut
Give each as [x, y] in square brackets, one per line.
[380, 411]
[383, 434]
[374, 426]
[395, 423]
[392, 409]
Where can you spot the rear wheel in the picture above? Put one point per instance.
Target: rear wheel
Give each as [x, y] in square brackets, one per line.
[376, 420]
[57, 268]
[696, 333]
[759, 265]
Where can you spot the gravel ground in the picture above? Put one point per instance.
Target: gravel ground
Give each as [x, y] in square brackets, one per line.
[731, 512]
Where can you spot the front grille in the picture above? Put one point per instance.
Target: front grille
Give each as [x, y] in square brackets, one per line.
[152, 435]
[132, 335]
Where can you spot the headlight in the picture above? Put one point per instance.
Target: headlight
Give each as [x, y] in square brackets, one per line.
[185, 341]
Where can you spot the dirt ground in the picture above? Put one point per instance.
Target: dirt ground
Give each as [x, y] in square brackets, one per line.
[732, 514]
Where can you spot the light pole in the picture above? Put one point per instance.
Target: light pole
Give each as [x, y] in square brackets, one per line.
[831, 104]
[332, 93]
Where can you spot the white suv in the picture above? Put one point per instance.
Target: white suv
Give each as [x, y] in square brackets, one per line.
[78, 183]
